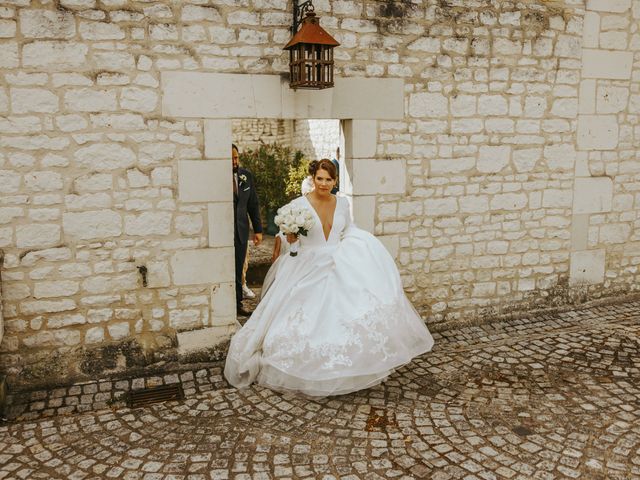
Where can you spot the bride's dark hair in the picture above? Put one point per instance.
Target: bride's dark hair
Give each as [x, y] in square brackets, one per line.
[324, 164]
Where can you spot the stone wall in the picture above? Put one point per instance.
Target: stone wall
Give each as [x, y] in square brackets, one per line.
[509, 181]
[316, 138]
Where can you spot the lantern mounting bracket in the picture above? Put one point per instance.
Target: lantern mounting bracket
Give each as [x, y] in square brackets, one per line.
[299, 11]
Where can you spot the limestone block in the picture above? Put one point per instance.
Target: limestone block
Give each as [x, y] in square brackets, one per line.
[9, 181]
[204, 338]
[614, 40]
[26, 100]
[223, 304]
[474, 204]
[587, 267]
[158, 274]
[58, 338]
[591, 30]
[429, 105]
[58, 54]
[606, 64]
[65, 320]
[614, 6]
[509, 201]
[118, 121]
[568, 46]
[391, 243]
[101, 31]
[185, 319]
[426, 44]
[138, 99]
[534, 106]
[37, 235]
[207, 265]
[579, 232]
[195, 13]
[614, 233]
[592, 195]
[94, 335]
[492, 159]
[118, 331]
[38, 307]
[436, 207]
[89, 100]
[148, 223]
[597, 132]
[100, 284]
[612, 99]
[371, 177]
[352, 99]
[217, 139]
[525, 159]
[361, 138]
[220, 219]
[114, 61]
[452, 165]
[9, 57]
[98, 224]
[47, 23]
[162, 176]
[560, 157]
[492, 105]
[554, 198]
[364, 208]
[205, 180]
[213, 95]
[463, 105]
[587, 99]
[565, 107]
[43, 181]
[189, 224]
[102, 157]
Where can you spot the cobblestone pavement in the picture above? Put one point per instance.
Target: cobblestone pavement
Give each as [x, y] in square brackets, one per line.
[550, 397]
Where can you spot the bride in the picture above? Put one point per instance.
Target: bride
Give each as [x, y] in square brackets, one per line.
[333, 319]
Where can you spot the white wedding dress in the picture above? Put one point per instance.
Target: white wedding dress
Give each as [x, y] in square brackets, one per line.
[332, 320]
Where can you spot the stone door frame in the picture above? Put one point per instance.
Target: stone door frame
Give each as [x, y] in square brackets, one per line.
[218, 99]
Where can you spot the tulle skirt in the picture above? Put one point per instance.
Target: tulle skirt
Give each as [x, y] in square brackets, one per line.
[332, 320]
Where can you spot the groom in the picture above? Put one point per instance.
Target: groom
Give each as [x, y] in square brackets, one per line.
[245, 203]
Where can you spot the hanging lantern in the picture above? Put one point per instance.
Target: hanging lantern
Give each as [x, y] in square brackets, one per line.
[310, 51]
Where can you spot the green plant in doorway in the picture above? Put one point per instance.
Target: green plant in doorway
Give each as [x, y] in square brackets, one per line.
[276, 169]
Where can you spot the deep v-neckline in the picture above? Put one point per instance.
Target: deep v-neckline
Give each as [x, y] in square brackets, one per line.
[333, 218]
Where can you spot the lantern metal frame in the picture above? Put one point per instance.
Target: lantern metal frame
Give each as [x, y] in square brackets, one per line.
[310, 50]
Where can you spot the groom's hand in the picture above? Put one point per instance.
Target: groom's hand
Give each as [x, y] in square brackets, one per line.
[257, 239]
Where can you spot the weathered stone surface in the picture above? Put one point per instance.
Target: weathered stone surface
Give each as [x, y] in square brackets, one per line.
[89, 100]
[38, 100]
[148, 223]
[492, 159]
[59, 54]
[428, 105]
[37, 235]
[597, 132]
[87, 225]
[105, 157]
[101, 31]
[47, 24]
[138, 99]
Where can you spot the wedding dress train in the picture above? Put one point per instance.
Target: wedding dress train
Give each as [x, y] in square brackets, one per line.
[332, 320]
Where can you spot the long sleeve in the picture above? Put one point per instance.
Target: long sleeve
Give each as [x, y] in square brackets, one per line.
[253, 207]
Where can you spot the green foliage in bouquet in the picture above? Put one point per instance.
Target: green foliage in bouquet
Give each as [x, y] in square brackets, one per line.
[275, 169]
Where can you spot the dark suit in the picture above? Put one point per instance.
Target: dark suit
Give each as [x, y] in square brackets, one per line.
[246, 206]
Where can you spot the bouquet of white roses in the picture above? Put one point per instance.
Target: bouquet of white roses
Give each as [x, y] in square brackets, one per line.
[294, 220]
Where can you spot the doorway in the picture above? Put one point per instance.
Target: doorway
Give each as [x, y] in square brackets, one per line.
[278, 152]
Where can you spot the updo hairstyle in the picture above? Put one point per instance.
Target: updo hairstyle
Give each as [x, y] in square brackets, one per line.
[324, 164]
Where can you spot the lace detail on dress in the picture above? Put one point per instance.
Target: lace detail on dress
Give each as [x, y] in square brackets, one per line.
[369, 333]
